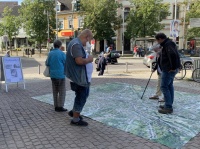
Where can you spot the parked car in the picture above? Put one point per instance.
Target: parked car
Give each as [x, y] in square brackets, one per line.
[150, 59]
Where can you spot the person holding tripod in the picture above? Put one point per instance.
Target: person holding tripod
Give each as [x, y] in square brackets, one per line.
[169, 63]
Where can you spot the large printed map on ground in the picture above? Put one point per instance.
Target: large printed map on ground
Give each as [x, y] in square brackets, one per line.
[120, 105]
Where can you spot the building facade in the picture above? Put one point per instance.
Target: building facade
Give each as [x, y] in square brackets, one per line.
[176, 13]
[70, 21]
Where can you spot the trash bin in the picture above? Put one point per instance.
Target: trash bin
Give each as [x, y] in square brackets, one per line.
[32, 51]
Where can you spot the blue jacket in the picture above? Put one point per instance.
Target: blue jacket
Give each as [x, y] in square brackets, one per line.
[56, 62]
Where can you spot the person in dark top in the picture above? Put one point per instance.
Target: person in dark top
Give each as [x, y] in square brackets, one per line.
[102, 64]
[169, 63]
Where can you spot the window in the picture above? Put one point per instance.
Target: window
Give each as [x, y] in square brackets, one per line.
[177, 11]
[70, 23]
[80, 23]
[61, 23]
[57, 7]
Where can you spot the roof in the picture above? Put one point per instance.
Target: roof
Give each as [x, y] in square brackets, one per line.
[67, 5]
[15, 10]
[4, 4]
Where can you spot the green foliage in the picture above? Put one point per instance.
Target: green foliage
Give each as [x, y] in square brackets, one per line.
[145, 17]
[101, 17]
[194, 12]
[10, 24]
[35, 20]
[1, 29]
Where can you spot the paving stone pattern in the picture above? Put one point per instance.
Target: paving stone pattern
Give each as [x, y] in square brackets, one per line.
[29, 124]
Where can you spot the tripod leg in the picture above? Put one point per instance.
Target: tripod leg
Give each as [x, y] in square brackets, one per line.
[146, 85]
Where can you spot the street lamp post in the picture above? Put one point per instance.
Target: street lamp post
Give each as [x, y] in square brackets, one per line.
[56, 19]
[123, 34]
[47, 13]
[73, 4]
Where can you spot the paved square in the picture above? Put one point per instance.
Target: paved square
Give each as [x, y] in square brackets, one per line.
[119, 105]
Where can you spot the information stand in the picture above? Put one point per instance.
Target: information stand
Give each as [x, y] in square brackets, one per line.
[12, 70]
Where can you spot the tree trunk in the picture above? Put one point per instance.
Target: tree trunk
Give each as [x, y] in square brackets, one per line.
[40, 46]
[10, 47]
[95, 45]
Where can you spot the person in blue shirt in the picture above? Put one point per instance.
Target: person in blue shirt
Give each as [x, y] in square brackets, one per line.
[56, 62]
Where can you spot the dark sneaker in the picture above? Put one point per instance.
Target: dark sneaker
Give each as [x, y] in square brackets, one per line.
[60, 109]
[70, 113]
[161, 106]
[165, 110]
[79, 123]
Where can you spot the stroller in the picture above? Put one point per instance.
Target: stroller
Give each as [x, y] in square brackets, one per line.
[111, 57]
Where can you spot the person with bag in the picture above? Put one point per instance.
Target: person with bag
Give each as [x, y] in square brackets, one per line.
[78, 68]
[56, 62]
[169, 63]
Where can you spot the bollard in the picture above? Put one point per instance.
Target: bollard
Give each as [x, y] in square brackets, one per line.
[39, 69]
[107, 68]
[126, 66]
[17, 52]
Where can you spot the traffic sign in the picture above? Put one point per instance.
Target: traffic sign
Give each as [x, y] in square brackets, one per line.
[194, 22]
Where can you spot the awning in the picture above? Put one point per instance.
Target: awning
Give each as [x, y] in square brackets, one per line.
[67, 34]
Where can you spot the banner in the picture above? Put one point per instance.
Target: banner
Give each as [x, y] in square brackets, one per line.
[174, 28]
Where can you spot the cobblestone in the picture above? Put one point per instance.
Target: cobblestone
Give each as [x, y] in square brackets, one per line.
[30, 124]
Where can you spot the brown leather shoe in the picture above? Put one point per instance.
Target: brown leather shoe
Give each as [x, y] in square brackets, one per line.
[154, 97]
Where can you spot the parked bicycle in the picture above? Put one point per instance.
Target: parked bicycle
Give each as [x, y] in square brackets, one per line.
[196, 75]
[181, 73]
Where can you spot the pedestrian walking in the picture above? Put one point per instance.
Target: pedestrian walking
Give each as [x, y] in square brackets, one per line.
[62, 48]
[135, 50]
[7, 53]
[169, 63]
[79, 70]
[158, 93]
[56, 62]
[140, 49]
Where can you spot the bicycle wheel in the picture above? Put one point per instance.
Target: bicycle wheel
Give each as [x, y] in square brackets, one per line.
[196, 75]
[181, 74]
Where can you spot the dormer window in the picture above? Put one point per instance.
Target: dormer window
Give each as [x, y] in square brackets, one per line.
[58, 6]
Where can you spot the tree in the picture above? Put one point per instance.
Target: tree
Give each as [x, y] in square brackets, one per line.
[145, 17]
[194, 12]
[10, 25]
[101, 17]
[35, 20]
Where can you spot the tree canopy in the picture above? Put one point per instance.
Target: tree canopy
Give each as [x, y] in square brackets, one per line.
[101, 17]
[35, 20]
[10, 24]
[194, 12]
[145, 18]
